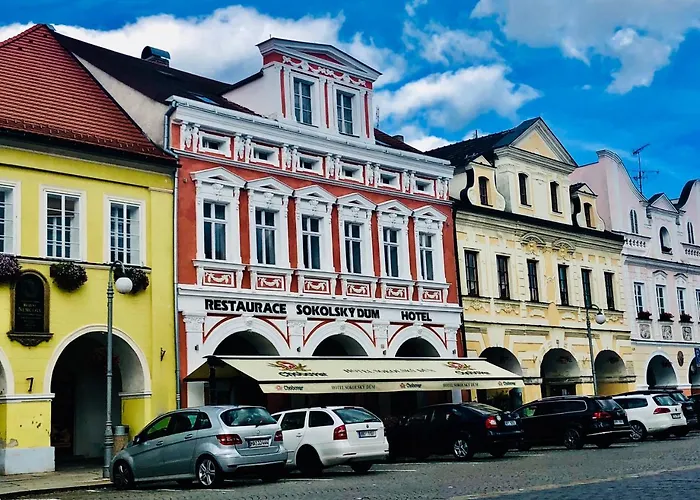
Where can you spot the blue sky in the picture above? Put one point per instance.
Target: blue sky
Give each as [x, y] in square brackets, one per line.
[603, 74]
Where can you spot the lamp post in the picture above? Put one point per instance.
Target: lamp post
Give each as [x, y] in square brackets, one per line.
[123, 285]
[600, 319]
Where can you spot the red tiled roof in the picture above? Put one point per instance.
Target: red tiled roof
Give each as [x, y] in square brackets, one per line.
[45, 91]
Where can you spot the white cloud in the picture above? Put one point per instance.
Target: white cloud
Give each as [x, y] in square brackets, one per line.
[420, 139]
[453, 98]
[412, 5]
[641, 35]
[438, 44]
[223, 43]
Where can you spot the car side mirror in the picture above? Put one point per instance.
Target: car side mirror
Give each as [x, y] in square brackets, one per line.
[137, 439]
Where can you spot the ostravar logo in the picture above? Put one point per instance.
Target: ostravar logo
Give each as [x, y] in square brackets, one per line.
[458, 366]
[288, 366]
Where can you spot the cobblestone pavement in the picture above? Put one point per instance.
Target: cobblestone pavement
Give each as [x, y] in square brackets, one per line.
[666, 470]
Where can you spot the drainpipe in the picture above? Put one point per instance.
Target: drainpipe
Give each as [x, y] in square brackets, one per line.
[459, 279]
[176, 324]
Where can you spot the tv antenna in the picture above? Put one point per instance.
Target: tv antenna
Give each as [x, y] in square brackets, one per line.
[641, 173]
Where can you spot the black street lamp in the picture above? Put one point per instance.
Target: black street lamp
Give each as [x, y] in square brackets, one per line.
[600, 319]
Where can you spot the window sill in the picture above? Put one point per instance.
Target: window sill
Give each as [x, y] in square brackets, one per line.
[396, 281]
[345, 134]
[432, 284]
[218, 264]
[272, 269]
[305, 124]
[507, 300]
[364, 278]
[317, 273]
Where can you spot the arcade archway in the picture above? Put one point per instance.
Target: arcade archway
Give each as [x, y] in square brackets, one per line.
[506, 399]
[560, 373]
[339, 345]
[611, 373]
[417, 348]
[660, 373]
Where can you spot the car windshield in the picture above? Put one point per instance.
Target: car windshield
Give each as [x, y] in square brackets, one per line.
[608, 404]
[355, 415]
[482, 408]
[246, 416]
[664, 401]
[679, 396]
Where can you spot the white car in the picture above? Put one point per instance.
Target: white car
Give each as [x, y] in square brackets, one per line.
[316, 438]
[656, 415]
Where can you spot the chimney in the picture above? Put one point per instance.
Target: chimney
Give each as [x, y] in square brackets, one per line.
[154, 55]
[399, 137]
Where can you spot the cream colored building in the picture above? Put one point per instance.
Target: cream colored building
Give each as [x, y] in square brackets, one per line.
[529, 242]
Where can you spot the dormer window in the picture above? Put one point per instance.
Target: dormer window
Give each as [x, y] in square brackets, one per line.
[522, 183]
[554, 195]
[302, 101]
[588, 214]
[665, 240]
[344, 112]
[691, 234]
[484, 190]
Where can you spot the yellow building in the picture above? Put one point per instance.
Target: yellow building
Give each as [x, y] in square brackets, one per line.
[532, 250]
[80, 186]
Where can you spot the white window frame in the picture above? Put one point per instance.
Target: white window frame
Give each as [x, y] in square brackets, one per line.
[430, 221]
[314, 201]
[396, 179]
[359, 127]
[270, 194]
[395, 215]
[638, 297]
[15, 192]
[141, 204]
[82, 221]
[358, 209]
[224, 149]
[317, 164]
[661, 298]
[681, 298]
[359, 169]
[317, 98]
[338, 103]
[428, 183]
[218, 185]
[271, 151]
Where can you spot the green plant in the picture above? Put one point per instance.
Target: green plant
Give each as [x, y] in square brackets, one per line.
[138, 277]
[9, 268]
[68, 275]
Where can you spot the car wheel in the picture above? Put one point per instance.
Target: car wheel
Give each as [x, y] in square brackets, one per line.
[573, 439]
[361, 467]
[461, 449]
[681, 432]
[122, 476]
[308, 462]
[604, 444]
[638, 432]
[208, 473]
[498, 452]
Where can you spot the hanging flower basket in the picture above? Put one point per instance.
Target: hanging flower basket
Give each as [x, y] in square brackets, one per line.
[138, 277]
[68, 276]
[665, 316]
[9, 268]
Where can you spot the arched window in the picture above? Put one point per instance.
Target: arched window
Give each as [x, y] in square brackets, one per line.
[665, 240]
[522, 183]
[588, 213]
[484, 190]
[691, 234]
[634, 224]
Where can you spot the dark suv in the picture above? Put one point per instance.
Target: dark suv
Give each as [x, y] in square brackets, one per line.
[572, 421]
[686, 403]
[460, 429]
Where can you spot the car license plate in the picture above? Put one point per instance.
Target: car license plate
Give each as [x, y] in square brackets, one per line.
[367, 434]
[510, 423]
[257, 443]
[676, 415]
[619, 422]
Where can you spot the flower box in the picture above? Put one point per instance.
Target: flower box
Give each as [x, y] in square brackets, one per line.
[686, 318]
[666, 316]
[644, 315]
[68, 275]
[9, 268]
[138, 277]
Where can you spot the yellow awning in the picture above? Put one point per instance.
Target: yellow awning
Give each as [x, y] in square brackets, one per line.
[350, 374]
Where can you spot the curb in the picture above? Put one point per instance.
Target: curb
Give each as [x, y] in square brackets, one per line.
[102, 484]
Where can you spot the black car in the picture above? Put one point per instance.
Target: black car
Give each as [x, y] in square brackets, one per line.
[688, 406]
[695, 398]
[460, 429]
[572, 421]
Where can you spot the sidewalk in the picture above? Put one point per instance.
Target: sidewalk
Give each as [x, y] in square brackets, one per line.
[64, 479]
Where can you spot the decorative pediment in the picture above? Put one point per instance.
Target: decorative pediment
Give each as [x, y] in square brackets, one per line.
[270, 185]
[564, 249]
[539, 139]
[356, 200]
[662, 202]
[314, 193]
[681, 279]
[531, 238]
[585, 189]
[218, 175]
[429, 212]
[660, 276]
[394, 207]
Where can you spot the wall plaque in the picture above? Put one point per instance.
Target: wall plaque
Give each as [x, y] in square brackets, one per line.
[30, 309]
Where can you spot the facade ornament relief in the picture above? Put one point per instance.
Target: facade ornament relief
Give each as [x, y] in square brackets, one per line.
[295, 158]
[320, 70]
[248, 148]
[405, 181]
[238, 148]
[286, 157]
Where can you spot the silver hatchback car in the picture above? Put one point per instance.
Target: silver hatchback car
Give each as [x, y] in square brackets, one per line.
[206, 444]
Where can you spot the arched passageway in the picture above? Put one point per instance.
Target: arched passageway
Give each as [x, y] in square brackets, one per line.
[611, 373]
[660, 373]
[339, 345]
[417, 348]
[560, 373]
[506, 399]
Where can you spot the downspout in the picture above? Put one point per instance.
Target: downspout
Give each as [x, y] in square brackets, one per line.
[459, 279]
[176, 318]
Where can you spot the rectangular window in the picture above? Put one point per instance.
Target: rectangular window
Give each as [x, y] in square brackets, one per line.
[610, 290]
[265, 236]
[503, 282]
[353, 247]
[661, 298]
[214, 230]
[681, 300]
[522, 181]
[262, 154]
[639, 297]
[124, 233]
[309, 164]
[532, 280]
[302, 101]
[311, 241]
[586, 281]
[62, 226]
[212, 144]
[484, 190]
[470, 262]
[344, 111]
[554, 195]
[391, 252]
[425, 242]
[697, 302]
[6, 221]
[564, 285]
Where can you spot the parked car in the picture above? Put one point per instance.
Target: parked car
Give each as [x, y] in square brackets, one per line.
[651, 415]
[336, 435]
[687, 405]
[572, 421]
[206, 445]
[458, 429]
[695, 398]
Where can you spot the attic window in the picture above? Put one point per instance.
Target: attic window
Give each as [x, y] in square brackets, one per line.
[588, 213]
[350, 172]
[211, 144]
[389, 179]
[309, 164]
[424, 186]
[262, 154]
[665, 240]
